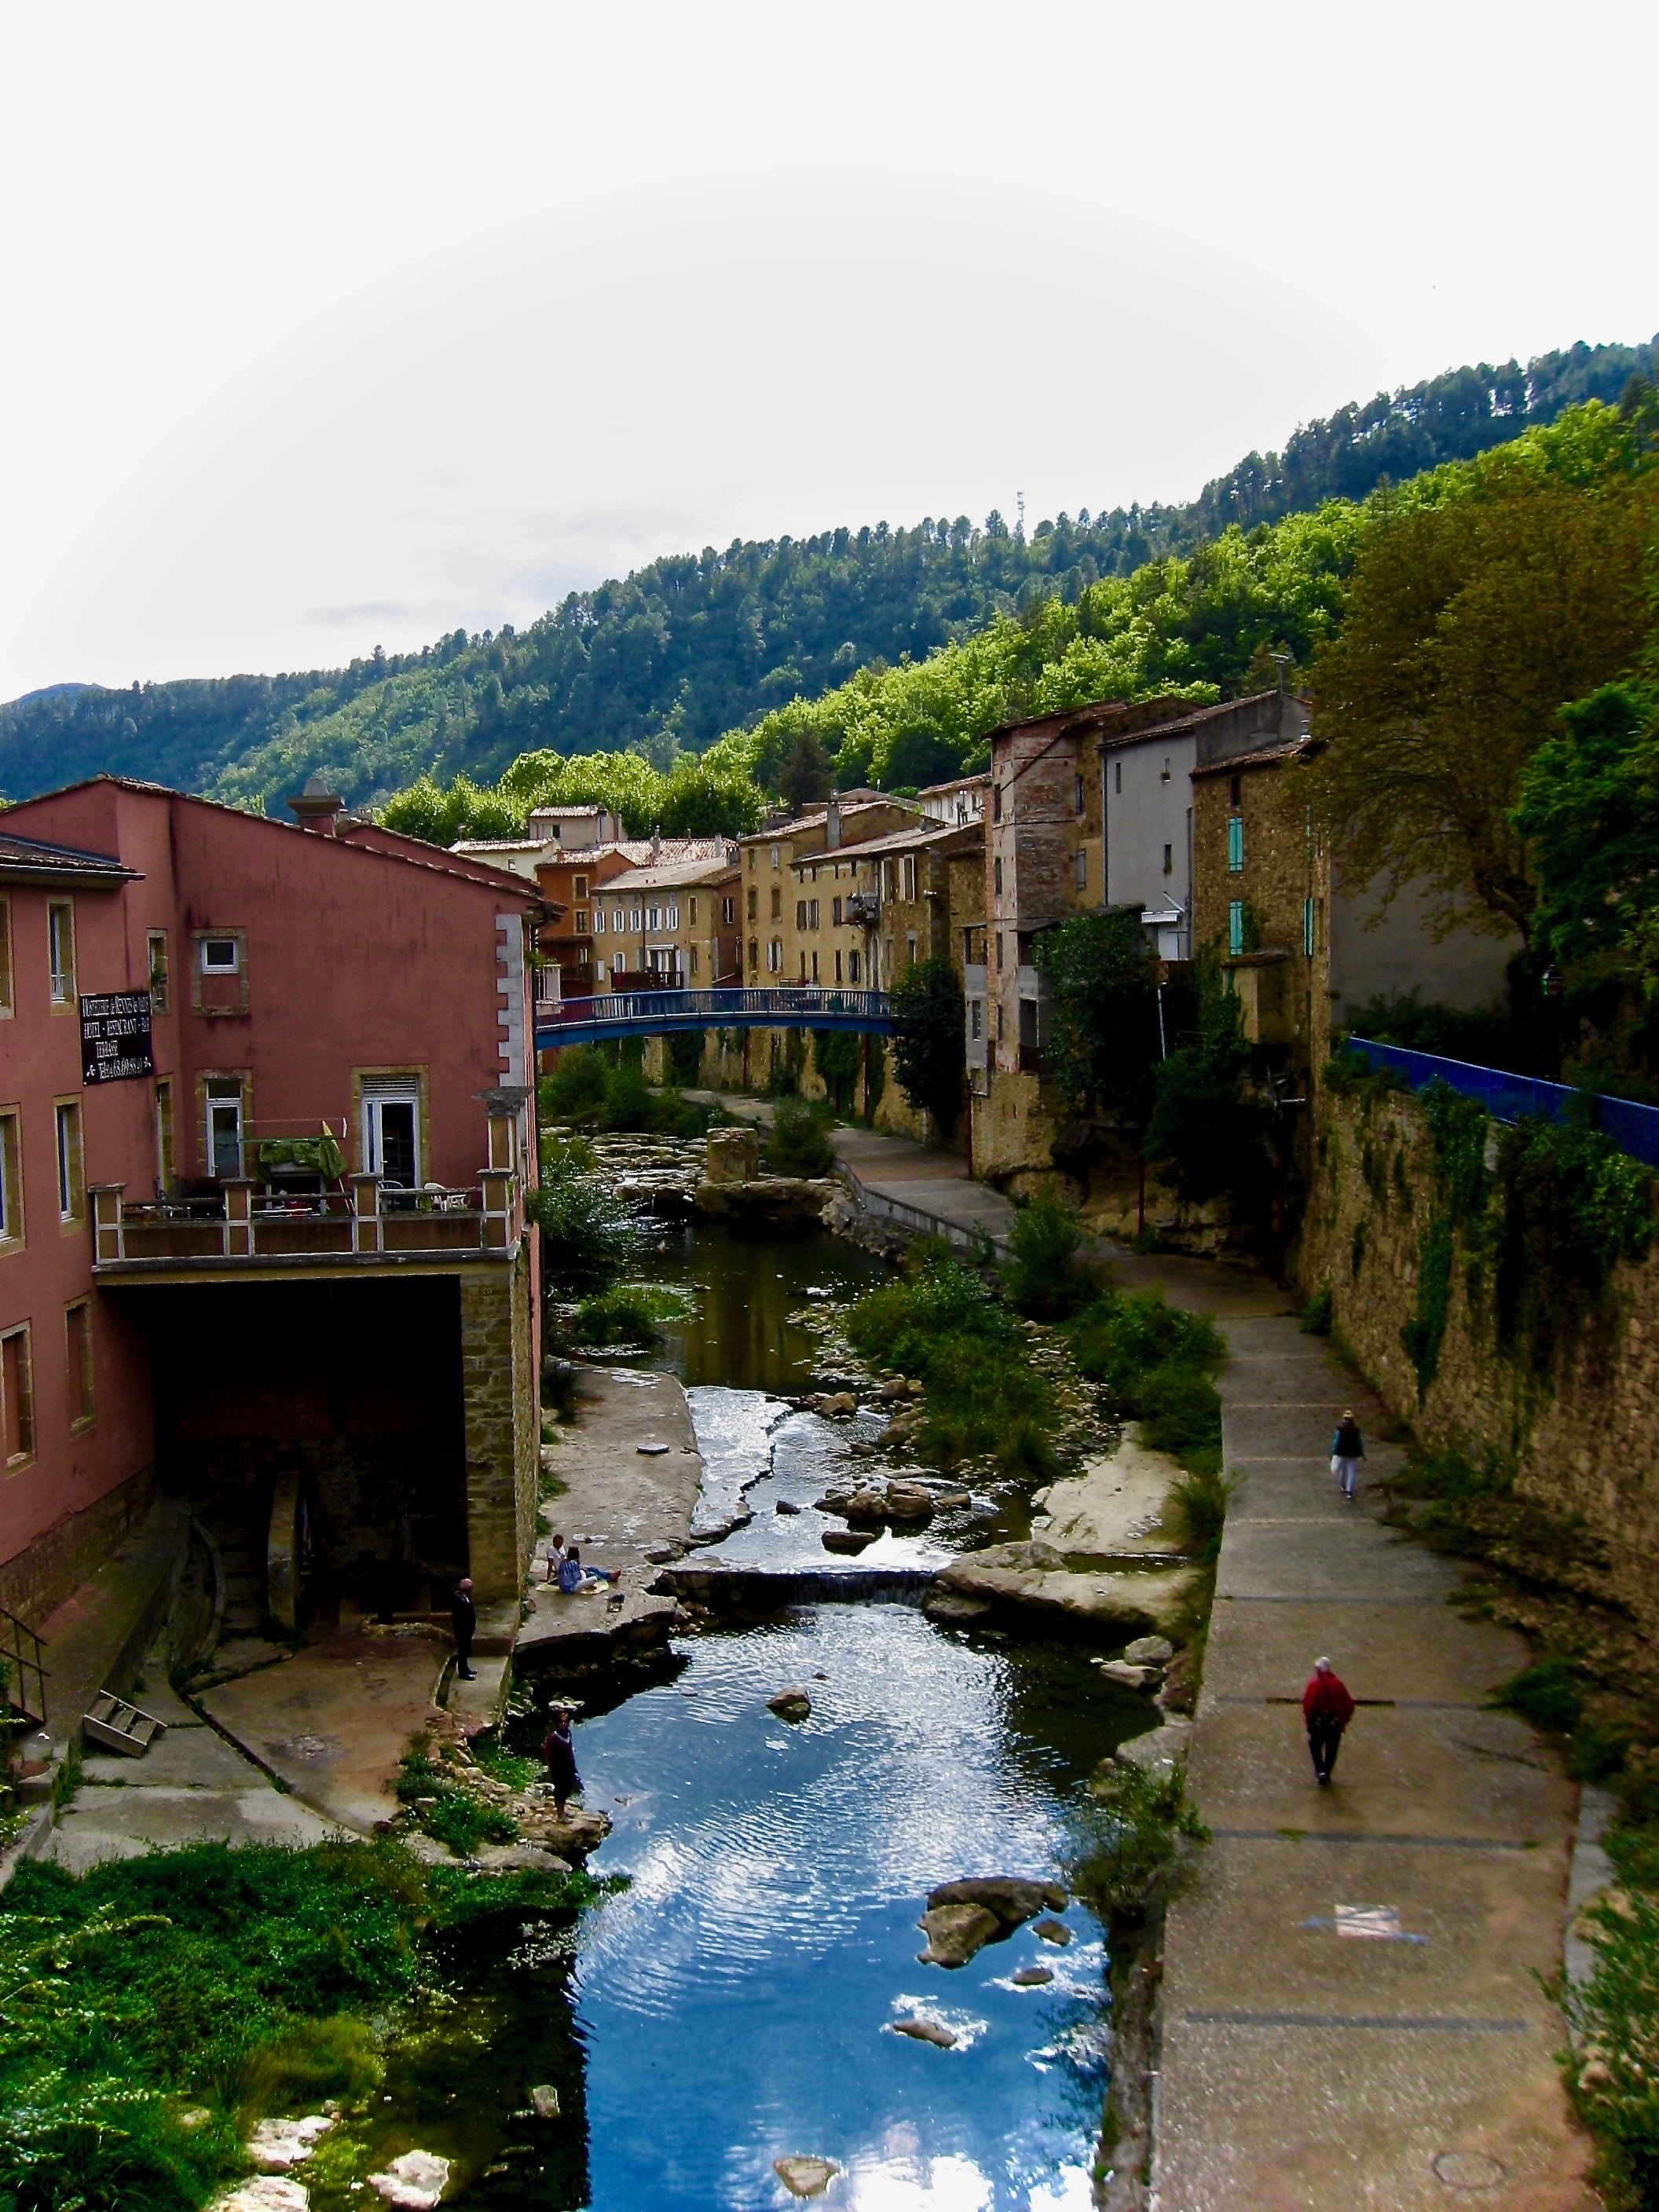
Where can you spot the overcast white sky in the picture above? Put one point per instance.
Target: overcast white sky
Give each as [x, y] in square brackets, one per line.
[328, 325]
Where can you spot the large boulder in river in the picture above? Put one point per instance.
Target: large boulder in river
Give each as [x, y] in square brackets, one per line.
[792, 1704]
[955, 1932]
[909, 1501]
[1014, 1901]
[1034, 1577]
[806, 2177]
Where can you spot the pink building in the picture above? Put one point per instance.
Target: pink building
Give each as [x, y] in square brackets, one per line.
[266, 1130]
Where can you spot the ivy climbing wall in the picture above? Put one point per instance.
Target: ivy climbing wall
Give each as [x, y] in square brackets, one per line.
[1499, 1288]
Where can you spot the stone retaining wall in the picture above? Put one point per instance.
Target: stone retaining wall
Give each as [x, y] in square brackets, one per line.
[1580, 1440]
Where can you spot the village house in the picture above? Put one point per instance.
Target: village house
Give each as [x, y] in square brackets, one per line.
[550, 831]
[959, 802]
[672, 921]
[780, 944]
[266, 1133]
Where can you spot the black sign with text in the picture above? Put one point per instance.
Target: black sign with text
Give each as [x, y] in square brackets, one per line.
[115, 1040]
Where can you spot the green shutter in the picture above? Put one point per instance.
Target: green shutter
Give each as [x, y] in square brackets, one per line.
[1308, 927]
[1235, 843]
[1235, 928]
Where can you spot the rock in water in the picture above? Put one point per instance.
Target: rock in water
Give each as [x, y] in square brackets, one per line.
[954, 1612]
[909, 1501]
[926, 2031]
[1032, 1977]
[1053, 1931]
[851, 1540]
[1126, 1675]
[413, 2183]
[956, 1932]
[545, 2101]
[1149, 1651]
[276, 2145]
[806, 2177]
[790, 1705]
[270, 2193]
[1012, 1900]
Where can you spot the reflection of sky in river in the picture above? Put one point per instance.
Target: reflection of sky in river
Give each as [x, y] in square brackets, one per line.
[734, 2001]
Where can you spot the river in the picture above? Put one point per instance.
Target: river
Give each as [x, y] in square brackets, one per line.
[736, 2003]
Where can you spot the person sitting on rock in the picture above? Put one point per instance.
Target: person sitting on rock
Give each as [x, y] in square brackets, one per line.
[574, 1577]
[559, 1757]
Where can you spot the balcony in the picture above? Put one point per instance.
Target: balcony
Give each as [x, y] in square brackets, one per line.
[248, 1226]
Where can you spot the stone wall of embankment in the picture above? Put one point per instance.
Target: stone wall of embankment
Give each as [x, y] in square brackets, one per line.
[1403, 1255]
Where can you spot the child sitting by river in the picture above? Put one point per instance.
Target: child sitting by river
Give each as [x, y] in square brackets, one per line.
[574, 1577]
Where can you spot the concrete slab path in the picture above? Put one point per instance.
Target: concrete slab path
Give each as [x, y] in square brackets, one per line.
[1307, 2068]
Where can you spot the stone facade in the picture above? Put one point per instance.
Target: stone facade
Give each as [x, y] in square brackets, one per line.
[501, 1427]
[1260, 894]
[1581, 1441]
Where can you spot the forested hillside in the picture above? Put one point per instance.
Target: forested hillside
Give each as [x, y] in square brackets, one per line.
[695, 646]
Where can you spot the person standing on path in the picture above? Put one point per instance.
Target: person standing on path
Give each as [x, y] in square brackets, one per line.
[463, 1616]
[559, 1757]
[1327, 1709]
[1348, 1449]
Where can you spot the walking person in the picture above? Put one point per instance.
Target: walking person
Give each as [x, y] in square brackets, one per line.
[1327, 1709]
[559, 1757]
[464, 1617]
[1348, 1449]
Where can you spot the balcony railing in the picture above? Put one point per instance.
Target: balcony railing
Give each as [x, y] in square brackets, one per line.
[243, 1221]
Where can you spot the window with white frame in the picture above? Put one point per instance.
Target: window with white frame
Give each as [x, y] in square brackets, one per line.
[391, 1130]
[598, 921]
[223, 1100]
[60, 950]
[16, 1396]
[71, 1187]
[774, 956]
[220, 956]
[674, 917]
[11, 1179]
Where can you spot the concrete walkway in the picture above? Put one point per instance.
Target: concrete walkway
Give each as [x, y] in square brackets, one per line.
[918, 1188]
[1307, 2066]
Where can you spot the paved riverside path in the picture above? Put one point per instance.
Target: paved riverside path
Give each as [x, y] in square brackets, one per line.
[1304, 2069]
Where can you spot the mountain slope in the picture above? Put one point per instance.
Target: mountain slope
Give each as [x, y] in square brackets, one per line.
[694, 646]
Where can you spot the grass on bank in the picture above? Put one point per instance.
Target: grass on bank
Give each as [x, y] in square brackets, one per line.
[982, 1397]
[1156, 1364]
[798, 1143]
[603, 1087]
[631, 1313]
[155, 2007]
[1614, 2076]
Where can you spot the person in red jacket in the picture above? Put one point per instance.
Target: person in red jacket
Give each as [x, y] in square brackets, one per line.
[1327, 1709]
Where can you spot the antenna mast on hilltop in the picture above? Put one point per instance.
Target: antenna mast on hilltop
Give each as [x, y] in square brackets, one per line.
[1019, 501]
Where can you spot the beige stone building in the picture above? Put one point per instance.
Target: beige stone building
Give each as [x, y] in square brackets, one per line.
[781, 935]
[673, 921]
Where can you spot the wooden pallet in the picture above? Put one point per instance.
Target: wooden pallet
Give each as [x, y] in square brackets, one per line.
[119, 1726]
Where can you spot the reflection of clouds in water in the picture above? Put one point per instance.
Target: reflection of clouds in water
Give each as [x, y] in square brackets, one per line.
[898, 2179]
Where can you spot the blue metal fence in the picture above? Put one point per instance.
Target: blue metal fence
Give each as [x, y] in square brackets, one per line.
[661, 1013]
[1634, 1129]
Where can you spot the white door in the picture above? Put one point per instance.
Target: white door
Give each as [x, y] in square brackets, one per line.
[392, 1134]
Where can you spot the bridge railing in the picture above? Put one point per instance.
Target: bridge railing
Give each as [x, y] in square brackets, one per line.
[1634, 1128]
[788, 1003]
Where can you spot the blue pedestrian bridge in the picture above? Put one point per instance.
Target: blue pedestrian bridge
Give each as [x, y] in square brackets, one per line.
[662, 1013]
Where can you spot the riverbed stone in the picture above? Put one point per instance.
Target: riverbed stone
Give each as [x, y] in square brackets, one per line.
[276, 2145]
[956, 1932]
[270, 2192]
[792, 1704]
[1129, 1677]
[1034, 1577]
[414, 2183]
[926, 2030]
[1149, 1651]
[1160, 1752]
[1053, 1931]
[806, 2177]
[1031, 1978]
[1014, 1899]
[951, 1610]
[850, 1540]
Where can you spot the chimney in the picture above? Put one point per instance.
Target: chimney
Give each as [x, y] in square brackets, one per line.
[316, 807]
[832, 823]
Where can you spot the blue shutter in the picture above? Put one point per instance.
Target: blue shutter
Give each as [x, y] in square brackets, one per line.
[1235, 843]
[1235, 928]
[1308, 927]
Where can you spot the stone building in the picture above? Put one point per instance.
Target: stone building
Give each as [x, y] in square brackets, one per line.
[584, 937]
[780, 939]
[671, 922]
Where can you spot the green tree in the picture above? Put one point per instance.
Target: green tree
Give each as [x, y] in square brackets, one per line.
[807, 774]
[1474, 615]
[1205, 1124]
[836, 1054]
[930, 1041]
[1102, 1013]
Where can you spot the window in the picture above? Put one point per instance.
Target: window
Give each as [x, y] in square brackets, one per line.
[835, 913]
[803, 964]
[908, 864]
[1169, 860]
[996, 803]
[60, 942]
[1235, 843]
[579, 887]
[655, 914]
[800, 913]
[690, 913]
[774, 956]
[775, 856]
[1117, 779]
[220, 956]
[583, 929]
[619, 965]
[975, 1019]
[598, 921]
[751, 906]
[158, 971]
[996, 875]
[1077, 794]
[694, 959]
[910, 948]
[852, 967]
[838, 976]
[1082, 870]
[8, 1003]
[391, 1132]
[1308, 938]
[1164, 771]
[77, 1334]
[636, 918]
[11, 1179]
[1236, 791]
[1235, 928]
[754, 958]
[812, 914]
[72, 1188]
[751, 860]
[999, 950]
[673, 917]
[777, 904]
[729, 910]
[16, 1397]
[165, 1172]
[224, 1126]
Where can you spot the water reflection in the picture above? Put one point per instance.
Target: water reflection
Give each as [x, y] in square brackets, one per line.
[747, 1286]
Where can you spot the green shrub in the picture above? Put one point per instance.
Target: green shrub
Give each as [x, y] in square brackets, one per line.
[1041, 1276]
[631, 1313]
[1180, 1412]
[578, 1085]
[798, 1143]
[1319, 1312]
[458, 1817]
[684, 1054]
[1549, 1693]
[1120, 1337]
[1615, 2013]
[1197, 1507]
[927, 1044]
[629, 1102]
[1135, 1829]
[588, 1236]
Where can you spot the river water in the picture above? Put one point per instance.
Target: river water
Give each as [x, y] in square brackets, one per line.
[735, 2004]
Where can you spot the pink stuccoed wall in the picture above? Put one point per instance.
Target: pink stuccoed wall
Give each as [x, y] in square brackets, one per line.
[371, 955]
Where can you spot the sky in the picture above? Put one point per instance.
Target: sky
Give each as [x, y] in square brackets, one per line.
[328, 326]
